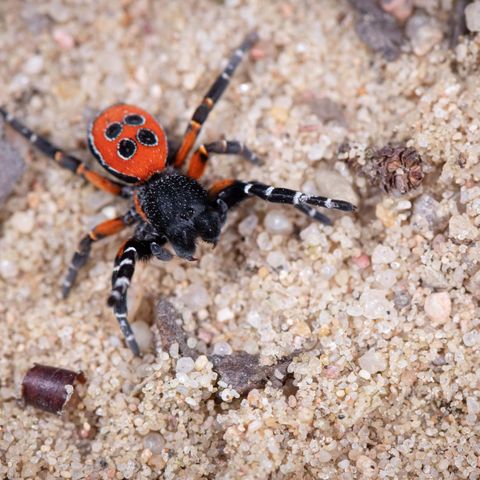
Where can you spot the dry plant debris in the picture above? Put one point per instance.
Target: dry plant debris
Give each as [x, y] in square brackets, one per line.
[397, 170]
[51, 389]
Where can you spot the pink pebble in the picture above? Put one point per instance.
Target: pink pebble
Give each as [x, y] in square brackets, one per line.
[362, 261]
[332, 371]
[400, 9]
[63, 38]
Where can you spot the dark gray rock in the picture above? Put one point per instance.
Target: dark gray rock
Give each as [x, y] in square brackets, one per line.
[12, 167]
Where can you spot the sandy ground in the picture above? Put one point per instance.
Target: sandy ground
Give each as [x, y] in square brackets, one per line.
[384, 303]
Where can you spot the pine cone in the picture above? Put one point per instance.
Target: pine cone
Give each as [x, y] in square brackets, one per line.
[397, 170]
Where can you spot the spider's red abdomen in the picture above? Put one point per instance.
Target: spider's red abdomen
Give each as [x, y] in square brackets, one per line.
[128, 142]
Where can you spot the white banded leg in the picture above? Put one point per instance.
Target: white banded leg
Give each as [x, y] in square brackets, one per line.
[301, 201]
[121, 277]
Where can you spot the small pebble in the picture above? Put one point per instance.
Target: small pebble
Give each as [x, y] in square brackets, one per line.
[248, 225]
[374, 303]
[323, 456]
[472, 16]
[470, 339]
[196, 297]
[225, 314]
[154, 442]
[8, 269]
[372, 362]
[63, 39]
[366, 466]
[222, 348]
[362, 261]
[438, 307]
[276, 259]
[462, 229]
[364, 374]
[382, 254]
[400, 9]
[201, 362]
[143, 335]
[185, 365]
[34, 65]
[23, 222]
[278, 223]
[423, 32]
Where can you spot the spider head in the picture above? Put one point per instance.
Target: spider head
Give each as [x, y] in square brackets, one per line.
[180, 210]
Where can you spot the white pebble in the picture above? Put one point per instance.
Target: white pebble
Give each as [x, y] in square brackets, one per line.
[366, 465]
[372, 362]
[196, 297]
[278, 223]
[364, 374]
[328, 271]
[201, 362]
[424, 33]
[224, 314]
[470, 339]
[462, 229]
[143, 335]
[276, 259]
[263, 241]
[311, 235]
[323, 456]
[33, 65]
[374, 303]
[317, 152]
[254, 319]
[185, 365]
[8, 269]
[222, 348]
[473, 407]
[23, 222]
[386, 278]
[154, 442]
[438, 307]
[248, 225]
[472, 16]
[382, 254]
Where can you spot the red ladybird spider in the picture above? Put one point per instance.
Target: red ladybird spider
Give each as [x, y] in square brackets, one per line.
[169, 207]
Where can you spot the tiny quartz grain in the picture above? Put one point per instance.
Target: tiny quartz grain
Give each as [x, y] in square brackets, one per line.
[438, 307]
[277, 222]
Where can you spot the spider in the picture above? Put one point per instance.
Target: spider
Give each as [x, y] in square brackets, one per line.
[169, 207]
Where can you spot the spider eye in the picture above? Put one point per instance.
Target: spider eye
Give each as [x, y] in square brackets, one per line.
[113, 131]
[147, 137]
[134, 119]
[126, 148]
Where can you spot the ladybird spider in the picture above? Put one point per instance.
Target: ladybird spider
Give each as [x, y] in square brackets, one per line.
[169, 207]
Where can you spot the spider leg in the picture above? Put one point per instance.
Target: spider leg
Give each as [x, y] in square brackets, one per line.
[212, 96]
[104, 229]
[130, 251]
[234, 191]
[199, 159]
[65, 160]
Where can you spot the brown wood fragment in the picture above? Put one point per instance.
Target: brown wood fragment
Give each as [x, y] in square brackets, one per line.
[51, 388]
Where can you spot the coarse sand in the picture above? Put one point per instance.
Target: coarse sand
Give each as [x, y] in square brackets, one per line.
[383, 304]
